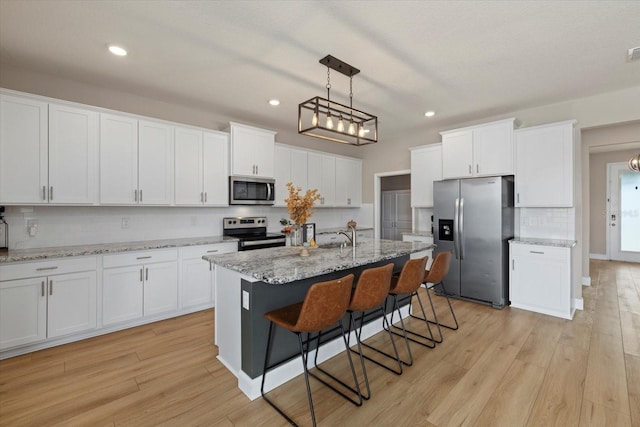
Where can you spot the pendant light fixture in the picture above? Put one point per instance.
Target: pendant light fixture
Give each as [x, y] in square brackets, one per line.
[316, 116]
[634, 163]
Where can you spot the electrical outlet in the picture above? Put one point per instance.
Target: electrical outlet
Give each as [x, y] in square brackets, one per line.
[125, 222]
[32, 227]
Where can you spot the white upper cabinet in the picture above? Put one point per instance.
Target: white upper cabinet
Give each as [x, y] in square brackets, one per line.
[48, 153]
[483, 150]
[136, 161]
[252, 151]
[544, 165]
[118, 159]
[348, 182]
[290, 166]
[321, 175]
[426, 167]
[201, 172]
[73, 155]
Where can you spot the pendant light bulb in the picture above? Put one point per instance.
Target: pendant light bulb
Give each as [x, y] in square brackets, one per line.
[341, 125]
[352, 128]
[361, 131]
[314, 119]
[329, 122]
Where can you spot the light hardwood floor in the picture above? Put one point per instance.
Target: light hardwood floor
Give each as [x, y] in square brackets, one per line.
[501, 368]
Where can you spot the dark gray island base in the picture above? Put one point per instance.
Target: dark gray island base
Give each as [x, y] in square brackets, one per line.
[250, 284]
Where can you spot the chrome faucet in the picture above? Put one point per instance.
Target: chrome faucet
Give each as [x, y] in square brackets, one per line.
[352, 238]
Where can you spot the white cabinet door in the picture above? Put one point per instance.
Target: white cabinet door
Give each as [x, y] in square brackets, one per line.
[197, 282]
[161, 287]
[493, 149]
[215, 158]
[188, 167]
[122, 294]
[73, 155]
[426, 167]
[457, 154]
[282, 173]
[540, 279]
[321, 173]
[71, 303]
[298, 168]
[23, 312]
[23, 150]
[544, 165]
[252, 151]
[118, 159]
[155, 163]
[348, 182]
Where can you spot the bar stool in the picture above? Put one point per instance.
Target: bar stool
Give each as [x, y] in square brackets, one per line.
[370, 293]
[433, 278]
[408, 283]
[324, 305]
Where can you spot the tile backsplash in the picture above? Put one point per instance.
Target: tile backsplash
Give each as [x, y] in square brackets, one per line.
[63, 226]
[547, 223]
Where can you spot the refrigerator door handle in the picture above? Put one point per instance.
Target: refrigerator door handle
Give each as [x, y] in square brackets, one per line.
[456, 241]
[461, 228]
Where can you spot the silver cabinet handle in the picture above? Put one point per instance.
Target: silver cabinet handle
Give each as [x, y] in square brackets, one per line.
[146, 274]
[537, 252]
[513, 264]
[144, 257]
[518, 197]
[135, 195]
[44, 192]
[46, 268]
[257, 170]
[51, 287]
[140, 196]
[201, 197]
[477, 168]
[205, 197]
[469, 169]
[141, 275]
[212, 251]
[51, 193]
[42, 288]
[210, 266]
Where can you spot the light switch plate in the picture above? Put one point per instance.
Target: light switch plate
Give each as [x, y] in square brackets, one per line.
[245, 300]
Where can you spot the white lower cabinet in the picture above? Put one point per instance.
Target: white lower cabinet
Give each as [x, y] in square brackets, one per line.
[49, 305]
[197, 283]
[540, 279]
[420, 239]
[139, 284]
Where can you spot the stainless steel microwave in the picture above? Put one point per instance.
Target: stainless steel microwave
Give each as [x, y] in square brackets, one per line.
[246, 190]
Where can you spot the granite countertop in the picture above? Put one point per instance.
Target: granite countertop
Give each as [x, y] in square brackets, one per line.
[418, 233]
[334, 230]
[107, 248]
[284, 264]
[559, 243]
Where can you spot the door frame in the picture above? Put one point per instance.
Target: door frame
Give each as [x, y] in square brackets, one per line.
[612, 254]
[377, 178]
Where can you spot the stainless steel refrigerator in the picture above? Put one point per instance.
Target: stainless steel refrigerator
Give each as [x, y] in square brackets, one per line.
[474, 219]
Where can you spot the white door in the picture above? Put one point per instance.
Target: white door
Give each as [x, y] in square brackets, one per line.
[118, 159]
[403, 213]
[215, 169]
[122, 290]
[23, 311]
[155, 163]
[161, 287]
[23, 150]
[73, 155]
[388, 215]
[72, 303]
[623, 230]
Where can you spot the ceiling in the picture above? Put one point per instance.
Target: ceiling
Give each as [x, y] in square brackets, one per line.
[466, 60]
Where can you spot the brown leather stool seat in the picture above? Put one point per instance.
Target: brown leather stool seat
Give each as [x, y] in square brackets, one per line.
[435, 277]
[324, 305]
[407, 284]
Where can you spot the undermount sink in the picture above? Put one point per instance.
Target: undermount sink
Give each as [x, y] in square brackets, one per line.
[335, 245]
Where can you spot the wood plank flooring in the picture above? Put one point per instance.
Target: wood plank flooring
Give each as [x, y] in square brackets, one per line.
[501, 368]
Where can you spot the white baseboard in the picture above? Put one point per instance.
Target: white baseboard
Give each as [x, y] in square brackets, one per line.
[586, 281]
[578, 303]
[598, 256]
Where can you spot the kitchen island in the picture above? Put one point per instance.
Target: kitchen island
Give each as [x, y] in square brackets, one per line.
[251, 283]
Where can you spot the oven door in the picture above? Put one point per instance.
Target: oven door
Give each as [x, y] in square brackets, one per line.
[251, 191]
[260, 243]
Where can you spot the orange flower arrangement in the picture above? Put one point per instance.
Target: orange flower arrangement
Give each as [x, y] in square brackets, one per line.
[300, 207]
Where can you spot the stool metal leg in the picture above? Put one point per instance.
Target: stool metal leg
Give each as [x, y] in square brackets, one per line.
[437, 322]
[430, 340]
[385, 326]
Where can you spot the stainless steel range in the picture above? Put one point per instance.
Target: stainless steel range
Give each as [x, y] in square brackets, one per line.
[252, 232]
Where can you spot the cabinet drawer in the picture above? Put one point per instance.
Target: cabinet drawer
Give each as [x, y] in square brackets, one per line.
[414, 238]
[213, 249]
[135, 258]
[543, 251]
[23, 270]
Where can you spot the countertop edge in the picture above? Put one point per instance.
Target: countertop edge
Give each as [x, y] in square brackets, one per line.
[558, 243]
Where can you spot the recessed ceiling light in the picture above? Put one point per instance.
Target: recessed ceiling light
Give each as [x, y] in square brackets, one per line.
[274, 102]
[430, 113]
[117, 50]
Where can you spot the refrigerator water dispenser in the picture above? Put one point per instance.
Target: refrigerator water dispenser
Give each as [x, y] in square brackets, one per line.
[445, 229]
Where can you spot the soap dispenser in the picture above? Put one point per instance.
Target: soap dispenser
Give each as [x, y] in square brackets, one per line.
[4, 232]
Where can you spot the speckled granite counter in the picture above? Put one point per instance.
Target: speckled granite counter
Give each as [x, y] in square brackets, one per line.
[334, 230]
[107, 248]
[284, 265]
[544, 242]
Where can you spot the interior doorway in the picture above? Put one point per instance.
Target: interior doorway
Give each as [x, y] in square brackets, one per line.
[399, 212]
[623, 213]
